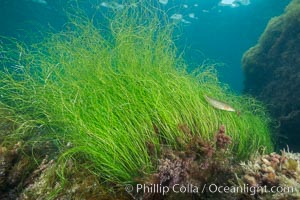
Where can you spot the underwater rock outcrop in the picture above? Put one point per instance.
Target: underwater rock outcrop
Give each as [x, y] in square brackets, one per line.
[272, 71]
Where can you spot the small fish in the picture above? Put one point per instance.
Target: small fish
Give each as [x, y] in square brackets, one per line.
[164, 2]
[192, 16]
[185, 21]
[218, 104]
[40, 1]
[177, 16]
[243, 2]
[112, 5]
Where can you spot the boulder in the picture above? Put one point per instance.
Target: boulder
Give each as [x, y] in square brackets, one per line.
[272, 72]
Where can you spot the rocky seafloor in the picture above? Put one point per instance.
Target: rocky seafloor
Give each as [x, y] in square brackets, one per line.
[31, 170]
[198, 164]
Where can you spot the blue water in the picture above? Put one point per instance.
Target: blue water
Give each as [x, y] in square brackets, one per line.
[223, 34]
[219, 34]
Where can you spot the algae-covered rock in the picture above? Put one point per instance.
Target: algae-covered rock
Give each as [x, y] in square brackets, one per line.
[272, 71]
[273, 176]
[197, 164]
[80, 184]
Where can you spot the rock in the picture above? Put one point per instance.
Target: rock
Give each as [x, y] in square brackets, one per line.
[272, 72]
[7, 158]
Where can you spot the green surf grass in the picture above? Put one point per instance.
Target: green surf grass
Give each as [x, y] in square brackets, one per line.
[101, 91]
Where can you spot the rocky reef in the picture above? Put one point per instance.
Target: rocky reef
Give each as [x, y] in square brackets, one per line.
[272, 72]
[194, 166]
